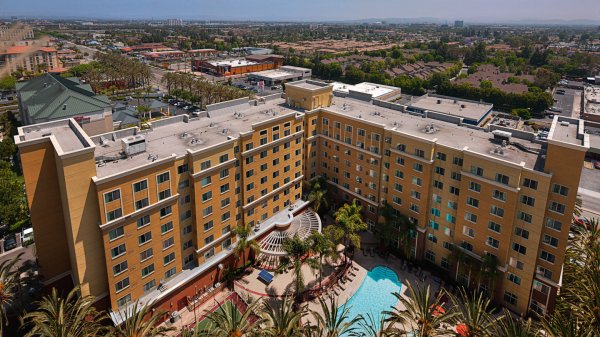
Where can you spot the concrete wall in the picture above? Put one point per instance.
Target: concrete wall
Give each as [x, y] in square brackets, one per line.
[516, 133]
[227, 104]
[444, 117]
[389, 105]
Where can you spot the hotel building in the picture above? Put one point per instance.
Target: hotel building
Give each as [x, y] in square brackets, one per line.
[148, 214]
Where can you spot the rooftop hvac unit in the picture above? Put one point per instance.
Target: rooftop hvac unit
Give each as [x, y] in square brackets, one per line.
[502, 135]
[564, 123]
[134, 145]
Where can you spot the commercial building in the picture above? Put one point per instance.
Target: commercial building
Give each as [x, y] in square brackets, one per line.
[30, 58]
[459, 24]
[591, 103]
[366, 91]
[277, 60]
[51, 97]
[283, 74]
[148, 215]
[174, 22]
[230, 67]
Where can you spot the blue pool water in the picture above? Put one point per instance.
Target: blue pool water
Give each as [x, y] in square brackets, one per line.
[375, 294]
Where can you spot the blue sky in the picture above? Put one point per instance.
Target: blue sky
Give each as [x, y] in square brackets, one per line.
[308, 10]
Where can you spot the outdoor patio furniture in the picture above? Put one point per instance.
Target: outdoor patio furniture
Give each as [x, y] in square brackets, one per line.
[265, 276]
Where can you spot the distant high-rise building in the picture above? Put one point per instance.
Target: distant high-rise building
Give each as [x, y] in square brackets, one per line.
[459, 24]
[174, 22]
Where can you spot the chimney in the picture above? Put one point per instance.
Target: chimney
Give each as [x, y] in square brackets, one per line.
[64, 107]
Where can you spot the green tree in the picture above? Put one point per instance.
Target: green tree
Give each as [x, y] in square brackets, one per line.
[8, 83]
[281, 319]
[321, 245]
[73, 316]
[475, 312]
[228, 321]
[333, 320]
[14, 206]
[244, 243]
[351, 222]
[515, 327]
[485, 84]
[8, 286]
[297, 253]
[318, 194]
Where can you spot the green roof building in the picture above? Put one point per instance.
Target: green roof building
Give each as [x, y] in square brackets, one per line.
[50, 97]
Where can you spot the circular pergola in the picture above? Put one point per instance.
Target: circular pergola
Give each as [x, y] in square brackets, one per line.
[303, 225]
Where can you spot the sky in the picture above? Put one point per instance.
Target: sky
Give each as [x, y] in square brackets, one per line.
[308, 10]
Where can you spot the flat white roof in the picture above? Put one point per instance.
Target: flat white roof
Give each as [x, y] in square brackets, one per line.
[233, 63]
[375, 90]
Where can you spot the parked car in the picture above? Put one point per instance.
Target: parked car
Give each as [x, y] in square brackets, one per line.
[27, 234]
[10, 242]
[582, 221]
[555, 109]
[597, 164]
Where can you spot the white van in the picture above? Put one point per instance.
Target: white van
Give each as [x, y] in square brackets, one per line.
[27, 235]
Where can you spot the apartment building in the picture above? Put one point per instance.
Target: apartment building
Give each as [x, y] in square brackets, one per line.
[148, 215]
[30, 58]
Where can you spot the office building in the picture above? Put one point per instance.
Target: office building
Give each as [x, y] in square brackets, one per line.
[174, 22]
[459, 24]
[149, 214]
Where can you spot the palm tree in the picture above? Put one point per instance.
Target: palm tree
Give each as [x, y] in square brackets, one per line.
[228, 321]
[297, 251]
[8, 285]
[318, 194]
[475, 312]
[396, 225]
[334, 320]
[566, 325]
[370, 326]
[515, 327]
[351, 221]
[324, 247]
[243, 244]
[460, 258]
[139, 321]
[73, 316]
[423, 312]
[489, 272]
[281, 319]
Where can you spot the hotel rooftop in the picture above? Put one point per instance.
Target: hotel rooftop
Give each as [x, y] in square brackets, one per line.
[176, 136]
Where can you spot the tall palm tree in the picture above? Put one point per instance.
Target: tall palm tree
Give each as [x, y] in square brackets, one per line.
[8, 285]
[566, 325]
[351, 221]
[324, 247]
[281, 319]
[73, 316]
[334, 321]
[475, 312]
[423, 312]
[297, 253]
[243, 243]
[228, 321]
[318, 194]
[489, 272]
[515, 327]
[396, 225]
[139, 321]
[370, 326]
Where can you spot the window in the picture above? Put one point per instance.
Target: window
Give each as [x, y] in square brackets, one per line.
[168, 243]
[205, 181]
[183, 184]
[440, 156]
[223, 158]
[434, 225]
[146, 254]
[417, 181]
[163, 177]
[432, 238]
[497, 211]
[225, 216]
[119, 268]
[456, 176]
[501, 178]
[543, 272]
[143, 221]
[418, 167]
[510, 298]
[468, 231]
[467, 246]
[557, 207]
[149, 286]
[457, 161]
[450, 218]
[471, 217]
[144, 238]
[207, 211]
[435, 212]
[444, 263]
[473, 202]
[430, 256]
[124, 283]
[525, 217]
[473, 186]
[111, 196]
[165, 211]
[170, 273]
[147, 270]
[208, 226]
[420, 153]
[224, 188]
[438, 184]
[554, 224]
[519, 249]
[493, 226]
[116, 233]
[205, 165]
[164, 228]
[164, 194]
[114, 214]
[493, 242]
[514, 278]
[476, 170]
[499, 195]
[547, 256]
[209, 239]
[139, 204]
[522, 232]
[452, 205]
[558, 189]
[121, 302]
[224, 173]
[225, 202]
[530, 183]
[207, 196]
[454, 190]
[550, 240]
[539, 286]
[140, 186]
[182, 168]
[529, 201]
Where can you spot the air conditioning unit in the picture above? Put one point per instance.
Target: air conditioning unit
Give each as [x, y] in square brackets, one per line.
[133, 145]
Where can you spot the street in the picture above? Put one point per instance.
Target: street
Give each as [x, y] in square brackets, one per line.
[28, 254]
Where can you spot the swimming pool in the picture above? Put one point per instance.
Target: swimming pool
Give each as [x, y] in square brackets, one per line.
[375, 294]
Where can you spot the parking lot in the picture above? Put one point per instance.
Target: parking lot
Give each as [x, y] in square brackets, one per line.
[565, 102]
